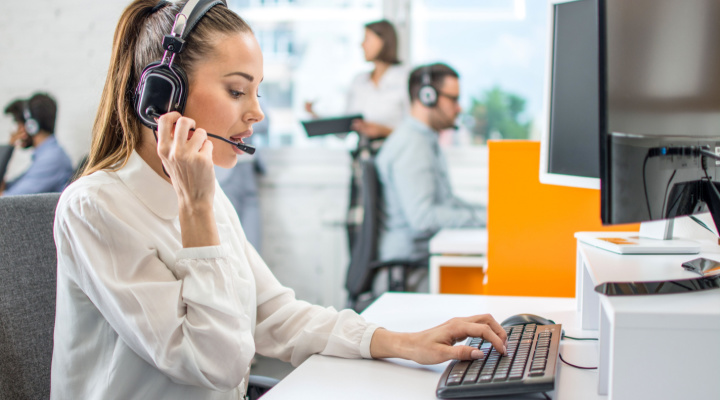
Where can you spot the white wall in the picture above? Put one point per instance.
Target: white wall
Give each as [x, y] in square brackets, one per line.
[62, 47]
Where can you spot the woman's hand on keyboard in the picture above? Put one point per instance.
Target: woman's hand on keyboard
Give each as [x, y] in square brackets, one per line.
[437, 344]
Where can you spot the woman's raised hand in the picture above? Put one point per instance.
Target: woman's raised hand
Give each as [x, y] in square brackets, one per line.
[187, 158]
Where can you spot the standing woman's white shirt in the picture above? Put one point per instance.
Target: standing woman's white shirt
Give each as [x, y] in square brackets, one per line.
[386, 103]
[139, 316]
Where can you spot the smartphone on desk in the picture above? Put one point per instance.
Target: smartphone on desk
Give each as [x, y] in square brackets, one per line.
[703, 266]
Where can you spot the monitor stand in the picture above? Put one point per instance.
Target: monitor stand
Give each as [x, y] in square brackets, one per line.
[655, 237]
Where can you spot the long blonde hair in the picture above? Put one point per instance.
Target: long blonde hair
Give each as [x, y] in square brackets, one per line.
[138, 42]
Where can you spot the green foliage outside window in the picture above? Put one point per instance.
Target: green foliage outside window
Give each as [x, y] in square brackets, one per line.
[498, 115]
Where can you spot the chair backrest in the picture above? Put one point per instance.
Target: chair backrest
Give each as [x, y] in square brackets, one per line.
[27, 294]
[364, 250]
[6, 151]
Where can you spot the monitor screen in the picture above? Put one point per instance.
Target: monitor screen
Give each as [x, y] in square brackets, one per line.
[571, 138]
[660, 103]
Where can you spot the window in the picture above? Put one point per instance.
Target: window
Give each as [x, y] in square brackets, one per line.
[499, 49]
[311, 53]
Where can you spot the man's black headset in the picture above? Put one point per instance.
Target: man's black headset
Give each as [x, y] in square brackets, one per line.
[427, 94]
[163, 86]
[32, 126]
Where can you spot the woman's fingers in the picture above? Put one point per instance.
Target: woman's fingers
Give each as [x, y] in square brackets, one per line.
[166, 125]
[175, 137]
[465, 353]
[491, 322]
[197, 139]
[462, 328]
[182, 129]
[484, 331]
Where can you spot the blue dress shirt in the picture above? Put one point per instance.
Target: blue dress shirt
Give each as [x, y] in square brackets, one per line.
[417, 195]
[50, 171]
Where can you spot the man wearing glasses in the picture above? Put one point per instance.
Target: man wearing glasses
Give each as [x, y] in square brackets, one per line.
[417, 196]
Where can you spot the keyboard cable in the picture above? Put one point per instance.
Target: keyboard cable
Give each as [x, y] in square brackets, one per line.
[573, 365]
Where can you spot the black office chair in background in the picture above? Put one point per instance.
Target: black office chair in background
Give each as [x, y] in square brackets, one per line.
[364, 265]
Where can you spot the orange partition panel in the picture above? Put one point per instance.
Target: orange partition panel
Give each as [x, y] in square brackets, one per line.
[531, 247]
[461, 280]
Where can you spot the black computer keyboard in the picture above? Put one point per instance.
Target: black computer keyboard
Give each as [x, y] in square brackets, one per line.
[528, 367]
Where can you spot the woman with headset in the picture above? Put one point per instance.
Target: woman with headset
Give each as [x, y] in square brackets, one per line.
[160, 295]
[380, 95]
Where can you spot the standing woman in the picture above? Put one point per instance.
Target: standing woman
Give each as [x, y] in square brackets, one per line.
[381, 97]
[159, 293]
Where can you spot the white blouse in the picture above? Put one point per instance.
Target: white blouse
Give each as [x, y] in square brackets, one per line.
[388, 103]
[139, 316]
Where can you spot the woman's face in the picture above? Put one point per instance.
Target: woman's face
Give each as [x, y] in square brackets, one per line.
[223, 94]
[372, 44]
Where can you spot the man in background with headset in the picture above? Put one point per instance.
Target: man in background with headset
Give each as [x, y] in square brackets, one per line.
[417, 195]
[51, 167]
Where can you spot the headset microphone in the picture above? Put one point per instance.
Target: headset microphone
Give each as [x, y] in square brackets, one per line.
[242, 146]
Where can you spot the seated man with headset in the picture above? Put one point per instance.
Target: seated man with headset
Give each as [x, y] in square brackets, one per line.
[417, 196]
[51, 168]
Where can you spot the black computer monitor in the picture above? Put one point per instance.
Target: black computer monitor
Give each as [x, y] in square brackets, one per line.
[570, 154]
[659, 108]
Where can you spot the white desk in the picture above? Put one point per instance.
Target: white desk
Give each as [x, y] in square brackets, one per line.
[322, 377]
[457, 248]
[656, 346]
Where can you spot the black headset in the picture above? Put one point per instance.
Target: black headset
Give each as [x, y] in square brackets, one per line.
[427, 94]
[32, 126]
[163, 86]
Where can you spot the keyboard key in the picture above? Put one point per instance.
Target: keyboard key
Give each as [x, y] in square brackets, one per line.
[485, 378]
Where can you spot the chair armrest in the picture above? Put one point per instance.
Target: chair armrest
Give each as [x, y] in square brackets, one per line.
[410, 262]
[258, 385]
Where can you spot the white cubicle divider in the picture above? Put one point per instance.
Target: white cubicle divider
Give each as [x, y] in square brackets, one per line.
[651, 346]
[460, 247]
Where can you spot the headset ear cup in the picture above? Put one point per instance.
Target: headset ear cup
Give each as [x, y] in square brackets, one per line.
[428, 96]
[162, 87]
[32, 126]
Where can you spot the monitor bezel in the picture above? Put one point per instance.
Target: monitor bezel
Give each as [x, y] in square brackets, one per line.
[547, 177]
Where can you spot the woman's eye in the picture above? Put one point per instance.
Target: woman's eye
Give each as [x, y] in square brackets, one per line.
[236, 94]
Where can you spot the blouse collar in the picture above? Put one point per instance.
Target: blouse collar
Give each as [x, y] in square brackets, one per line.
[154, 191]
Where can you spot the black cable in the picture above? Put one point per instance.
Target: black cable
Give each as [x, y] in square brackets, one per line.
[666, 192]
[647, 199]
[573, 365]
[546, 396]
[704, 225]
[576, 338]
[163, 165]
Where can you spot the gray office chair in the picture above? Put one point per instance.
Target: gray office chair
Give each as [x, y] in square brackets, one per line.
[27, 295]
[364, 265]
